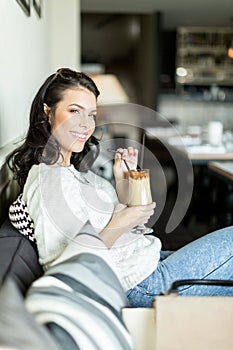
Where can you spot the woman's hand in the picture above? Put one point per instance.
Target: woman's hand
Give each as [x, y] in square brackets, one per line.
[130, 155]
[124, 219]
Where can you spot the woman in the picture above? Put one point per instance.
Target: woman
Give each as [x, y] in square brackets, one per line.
[64, 198]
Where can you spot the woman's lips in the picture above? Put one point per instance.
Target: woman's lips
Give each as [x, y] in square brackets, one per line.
[79, 136]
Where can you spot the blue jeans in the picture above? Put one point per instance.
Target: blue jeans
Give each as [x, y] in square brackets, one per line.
[209, 257]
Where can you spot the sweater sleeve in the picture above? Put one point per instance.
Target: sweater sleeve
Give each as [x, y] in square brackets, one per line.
[136, 257]
[58, 214]
[62, 203]
[101, 199]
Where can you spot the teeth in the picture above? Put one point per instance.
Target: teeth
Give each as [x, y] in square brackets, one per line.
[80, 136]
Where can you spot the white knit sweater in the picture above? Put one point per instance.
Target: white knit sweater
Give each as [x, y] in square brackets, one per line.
[64, 202]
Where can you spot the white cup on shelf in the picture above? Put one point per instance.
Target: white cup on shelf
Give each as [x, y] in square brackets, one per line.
[215, 132]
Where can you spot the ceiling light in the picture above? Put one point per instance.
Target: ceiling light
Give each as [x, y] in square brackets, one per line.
[230, 50]
[181, 72]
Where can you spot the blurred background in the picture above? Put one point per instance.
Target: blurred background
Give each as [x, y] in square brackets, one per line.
[164, 53]
[164, 69]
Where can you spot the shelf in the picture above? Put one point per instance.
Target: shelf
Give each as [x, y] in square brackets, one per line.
[221, 69]
[202, 49]
[202, 53]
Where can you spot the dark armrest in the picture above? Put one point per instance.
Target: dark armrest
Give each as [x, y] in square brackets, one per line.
[18, 258]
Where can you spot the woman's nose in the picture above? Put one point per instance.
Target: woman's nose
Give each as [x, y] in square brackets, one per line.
[83, 119]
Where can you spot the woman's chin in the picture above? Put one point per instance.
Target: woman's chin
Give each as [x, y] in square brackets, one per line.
[78, 148]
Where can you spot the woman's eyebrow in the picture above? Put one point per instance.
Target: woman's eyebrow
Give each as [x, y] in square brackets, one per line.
[76, 105]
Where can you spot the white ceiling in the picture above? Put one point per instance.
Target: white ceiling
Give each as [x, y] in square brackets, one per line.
[175, 13]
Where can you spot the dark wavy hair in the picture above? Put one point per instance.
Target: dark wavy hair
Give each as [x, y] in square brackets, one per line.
[39, 144]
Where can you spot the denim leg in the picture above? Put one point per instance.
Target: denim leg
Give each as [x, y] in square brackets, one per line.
[209, 257]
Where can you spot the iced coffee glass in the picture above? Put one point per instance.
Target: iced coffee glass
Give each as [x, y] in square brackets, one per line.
[140, 193]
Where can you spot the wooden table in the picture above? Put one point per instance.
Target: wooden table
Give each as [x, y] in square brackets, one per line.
[188, 144]
[212, 199]
[203, 154]
[222, 169]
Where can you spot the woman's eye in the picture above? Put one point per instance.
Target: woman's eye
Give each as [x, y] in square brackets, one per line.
[93, 116]
[74, 111]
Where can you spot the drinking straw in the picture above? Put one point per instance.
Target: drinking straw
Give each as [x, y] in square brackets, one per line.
[142, 151]
[114, 151]
[128, 168]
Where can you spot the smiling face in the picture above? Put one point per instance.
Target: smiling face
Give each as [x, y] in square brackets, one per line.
[73, 121]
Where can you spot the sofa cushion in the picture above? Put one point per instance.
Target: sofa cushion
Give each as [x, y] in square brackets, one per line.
[18, 258]
[19, 330]
[80, 301]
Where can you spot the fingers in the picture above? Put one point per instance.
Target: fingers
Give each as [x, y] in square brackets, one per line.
[144, 212]
[119, 207]
[118, 153]
[130, 155]
[129, 217]
[126, 152]
[150, 206]
[123, 152]
[132, 152]
[147, 210]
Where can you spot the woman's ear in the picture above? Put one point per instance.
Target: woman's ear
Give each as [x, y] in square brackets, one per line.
[46, 109]
[47, 112]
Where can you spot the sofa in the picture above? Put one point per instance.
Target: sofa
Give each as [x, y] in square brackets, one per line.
[34, 311]
[77, 304]
[18, 258]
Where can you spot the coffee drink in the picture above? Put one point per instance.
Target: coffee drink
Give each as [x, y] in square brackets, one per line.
[139, 187]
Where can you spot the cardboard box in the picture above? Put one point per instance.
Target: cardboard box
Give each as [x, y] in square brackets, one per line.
[182, 323]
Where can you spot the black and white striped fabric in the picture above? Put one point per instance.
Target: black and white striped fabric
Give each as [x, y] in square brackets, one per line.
[20, 218]
[80, 301]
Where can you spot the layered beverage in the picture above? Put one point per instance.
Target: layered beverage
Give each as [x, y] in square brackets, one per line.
[139, 187]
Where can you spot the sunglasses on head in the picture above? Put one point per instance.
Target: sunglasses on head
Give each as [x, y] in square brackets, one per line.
[64, 73]
[67, 73]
